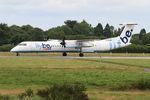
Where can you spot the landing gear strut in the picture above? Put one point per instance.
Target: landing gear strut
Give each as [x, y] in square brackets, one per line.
[81, 54]
[64, 54]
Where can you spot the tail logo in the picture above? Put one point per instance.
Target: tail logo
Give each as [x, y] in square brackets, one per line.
[127, 35]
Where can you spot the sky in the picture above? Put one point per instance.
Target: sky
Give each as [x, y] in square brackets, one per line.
[46, 14]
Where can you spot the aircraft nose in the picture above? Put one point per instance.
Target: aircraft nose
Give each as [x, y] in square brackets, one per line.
[13, 50]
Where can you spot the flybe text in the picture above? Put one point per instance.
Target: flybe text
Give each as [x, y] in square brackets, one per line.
[125, 39]
[46, 46]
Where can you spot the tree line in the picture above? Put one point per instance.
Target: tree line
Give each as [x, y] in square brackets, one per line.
[71, 30]
[12, 35]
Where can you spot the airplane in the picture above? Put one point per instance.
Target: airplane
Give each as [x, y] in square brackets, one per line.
[81, 46]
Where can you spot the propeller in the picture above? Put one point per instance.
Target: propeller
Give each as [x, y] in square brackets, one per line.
[63, 43]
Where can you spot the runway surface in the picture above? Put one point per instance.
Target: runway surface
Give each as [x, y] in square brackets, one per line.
[75, 57]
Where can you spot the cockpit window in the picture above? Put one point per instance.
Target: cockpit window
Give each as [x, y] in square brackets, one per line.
[22, 44]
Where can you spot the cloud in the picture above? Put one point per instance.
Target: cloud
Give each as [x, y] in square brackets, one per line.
[124, 3]
[54, 12]
[72, 5]
[43, 5]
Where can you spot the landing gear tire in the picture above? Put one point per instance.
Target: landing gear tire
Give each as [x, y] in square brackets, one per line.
[17, 54]
[81, 54]
[64, 54]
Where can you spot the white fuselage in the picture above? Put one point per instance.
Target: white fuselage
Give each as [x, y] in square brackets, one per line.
[71, 46]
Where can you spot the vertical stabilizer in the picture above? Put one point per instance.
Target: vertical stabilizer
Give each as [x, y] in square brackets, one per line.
[126, 34]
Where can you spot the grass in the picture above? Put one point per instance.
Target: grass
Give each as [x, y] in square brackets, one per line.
[145, 63]
[100, 76]
[119, 95]
[34, 77]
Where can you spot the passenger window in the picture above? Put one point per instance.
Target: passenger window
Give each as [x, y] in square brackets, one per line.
[22, 44]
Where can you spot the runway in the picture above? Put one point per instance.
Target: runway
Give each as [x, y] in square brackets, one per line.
[75, 57]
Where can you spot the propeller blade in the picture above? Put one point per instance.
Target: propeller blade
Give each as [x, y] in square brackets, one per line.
[63, 43]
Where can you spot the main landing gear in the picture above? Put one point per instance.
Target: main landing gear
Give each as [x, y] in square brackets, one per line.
[81, 54]
[17, 54]
[64, 54]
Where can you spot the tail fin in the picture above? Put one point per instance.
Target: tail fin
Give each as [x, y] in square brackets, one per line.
[126, 34]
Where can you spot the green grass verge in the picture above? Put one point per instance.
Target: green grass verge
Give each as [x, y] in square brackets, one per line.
[98, 75]
[26, 72]
[145, 63]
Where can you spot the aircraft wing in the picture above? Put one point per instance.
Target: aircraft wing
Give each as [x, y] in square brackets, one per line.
[84, 43]
[79, 44]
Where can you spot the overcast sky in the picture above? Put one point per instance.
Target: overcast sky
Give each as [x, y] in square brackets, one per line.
[51, 13]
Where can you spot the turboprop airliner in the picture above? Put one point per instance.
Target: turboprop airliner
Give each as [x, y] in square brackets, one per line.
[81, 46]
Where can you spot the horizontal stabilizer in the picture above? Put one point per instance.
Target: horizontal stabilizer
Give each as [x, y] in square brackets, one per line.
[131, 23]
